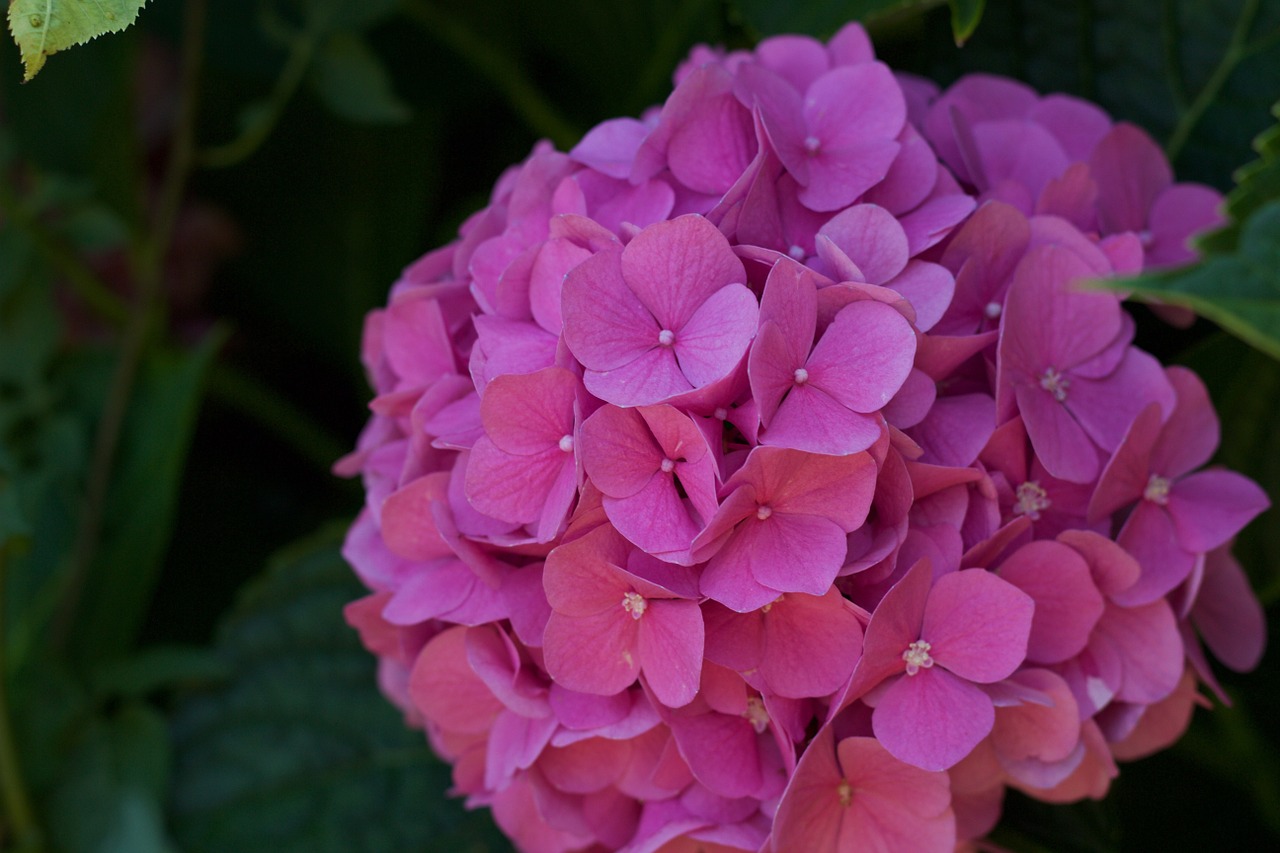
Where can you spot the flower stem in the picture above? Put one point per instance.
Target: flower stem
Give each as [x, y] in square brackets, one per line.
[538, 112]
[17, 804]
[1237, 50]
[148, 263]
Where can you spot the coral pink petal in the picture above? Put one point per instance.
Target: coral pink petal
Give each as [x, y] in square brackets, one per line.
[544, 401]
[592, 654]
[811, 645]
[790, 553]
[1047, 732]
[671, 645]
[810, 813]
[445, 688]
[514, 488]
[838, 488]
[978, 625]
[721, 751]
[932, 719]
[1059, 441]
[1150, 650]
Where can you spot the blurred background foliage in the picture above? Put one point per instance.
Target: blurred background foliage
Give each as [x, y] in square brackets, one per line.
[196, 213]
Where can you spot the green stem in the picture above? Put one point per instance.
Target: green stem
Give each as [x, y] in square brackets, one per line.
[148, 271]
[538, 112]
[254, 399]
[61, 257]
[17, 803]
[259, 129]
[1236, 51]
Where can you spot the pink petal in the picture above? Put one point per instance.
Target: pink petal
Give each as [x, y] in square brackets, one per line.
[811, 645]
[592, 654]
[839, 175]
[716, 336]
[853, 103]
[1227, 614]
[864, 356]
[1131, 170]
[795, 483]
[978, 625]
[1150, 650]
[932, 719]
[651, 378]
[1209, 507]
[721, 752]
[605, 325]
[1067, 604]
[809, 419]
[1149, 535]
[654, 518]
[1059, 442]
[956, 429]
[516, 488]
[544, 401]
[929, 288]
[619, 452]
[670, 649]
[789, 553]
[870, 237]
[675, 266]
[610, 147]
[1191, 432]
[771, 367]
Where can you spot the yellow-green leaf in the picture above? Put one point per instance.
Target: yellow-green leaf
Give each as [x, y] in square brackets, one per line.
[44, 27]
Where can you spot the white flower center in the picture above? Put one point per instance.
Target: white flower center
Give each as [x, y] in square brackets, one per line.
[566, 443]
[721, 413]
[666, 337]
[764, 511]
[1157, 490]
[667, 465]
[1031, 500]
[634, 603]
[796, 252]
[812, 144]
[802, 376]
[845, 790]
[917, 657]
[1055, 383]
[756, 715]
[992, 310]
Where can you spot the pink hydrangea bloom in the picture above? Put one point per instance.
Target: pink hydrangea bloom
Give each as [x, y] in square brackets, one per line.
[758, 476]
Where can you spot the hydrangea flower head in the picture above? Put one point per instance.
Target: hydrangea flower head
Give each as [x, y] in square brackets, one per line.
[759, 476]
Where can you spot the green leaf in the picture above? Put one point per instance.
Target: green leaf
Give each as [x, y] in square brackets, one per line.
[821, 18]
[354, 83]
[158, 667]
[140, 501]
[1239, 291]
[109, 797]
[965, 15]
[299, 751]
[44, 27]
[1256, 184]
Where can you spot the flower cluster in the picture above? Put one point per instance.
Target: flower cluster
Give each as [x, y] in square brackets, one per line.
[757, 473]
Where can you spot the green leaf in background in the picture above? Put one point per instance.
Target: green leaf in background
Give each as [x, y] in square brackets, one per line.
[1256, 184]
[299, 751]
[1240, 291]
[140, 503]
[44, 27]
[354, 83]
[819, 18]
[109, 799]
[965, 16]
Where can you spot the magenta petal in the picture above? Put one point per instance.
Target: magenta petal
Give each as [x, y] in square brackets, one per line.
[790, 553]
[730, 582]
[1059, 441]
[610, 147]
[1191, 433]
[855, 103]
[1227, 614]
[932, 719]
[515, 488]
[810, 420]
[592, 654]
[544, 401]
[1149, 647]
[1150, 537]
[771, 368]
[1210, 507]
[1106, 407]
[864, 356]
[670, 650]
[978, 625]
[929, 288]
[870, 237]
[716, 336]
[838, 176]
[654, 518]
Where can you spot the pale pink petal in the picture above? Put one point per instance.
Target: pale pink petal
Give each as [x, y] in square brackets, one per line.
[928, 287]
[651, 378]
[977, 624]
[932, 719]
[870, 237]
[544, 401]
[673, 267]
[671, 637]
